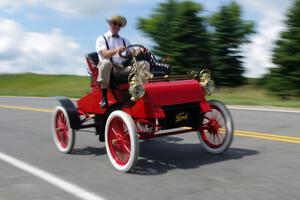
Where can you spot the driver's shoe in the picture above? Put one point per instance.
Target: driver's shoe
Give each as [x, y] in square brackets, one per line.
[104, 102]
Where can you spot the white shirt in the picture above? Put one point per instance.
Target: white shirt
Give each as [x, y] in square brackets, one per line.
[113, 42]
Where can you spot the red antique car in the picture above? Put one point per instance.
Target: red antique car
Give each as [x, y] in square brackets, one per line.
[143, 106]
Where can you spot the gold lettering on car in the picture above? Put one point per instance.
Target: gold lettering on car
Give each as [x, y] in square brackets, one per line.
[181, 116]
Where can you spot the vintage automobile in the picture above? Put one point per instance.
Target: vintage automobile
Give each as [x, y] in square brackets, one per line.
[144, 106]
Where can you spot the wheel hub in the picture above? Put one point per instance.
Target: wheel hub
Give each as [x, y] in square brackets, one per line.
[214, 126]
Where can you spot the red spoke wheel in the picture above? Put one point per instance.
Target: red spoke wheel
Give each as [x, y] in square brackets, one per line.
[121, 141]
[63, 134]
[216, 132]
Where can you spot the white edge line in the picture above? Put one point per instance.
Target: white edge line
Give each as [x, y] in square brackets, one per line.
[264, 109]
[50, 178]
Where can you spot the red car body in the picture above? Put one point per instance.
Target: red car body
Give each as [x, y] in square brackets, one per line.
[167, 103]
[158, 94]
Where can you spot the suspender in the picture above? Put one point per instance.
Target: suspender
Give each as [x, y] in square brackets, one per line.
[107, 46]
[124, 43]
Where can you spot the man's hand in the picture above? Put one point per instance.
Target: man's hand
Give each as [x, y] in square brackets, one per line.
[110, 53]
[141, 50]
[120, 50]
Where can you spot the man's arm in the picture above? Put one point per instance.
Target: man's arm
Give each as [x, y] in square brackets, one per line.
[110, 53]
[103, 51]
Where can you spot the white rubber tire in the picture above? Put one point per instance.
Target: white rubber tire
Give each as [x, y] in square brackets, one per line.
[229, 129]
[71, 132]
[134, 143]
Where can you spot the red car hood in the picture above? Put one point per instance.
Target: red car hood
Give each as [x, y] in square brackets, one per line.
[174, 92]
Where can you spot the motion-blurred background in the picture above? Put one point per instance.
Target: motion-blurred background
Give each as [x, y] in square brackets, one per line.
[251, 47]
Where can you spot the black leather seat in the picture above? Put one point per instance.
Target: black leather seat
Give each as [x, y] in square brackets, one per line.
[93, 58]
[117, 76]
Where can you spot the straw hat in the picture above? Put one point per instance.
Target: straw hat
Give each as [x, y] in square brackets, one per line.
[117, 19]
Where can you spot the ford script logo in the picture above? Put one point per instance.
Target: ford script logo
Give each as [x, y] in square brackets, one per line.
[181, 116]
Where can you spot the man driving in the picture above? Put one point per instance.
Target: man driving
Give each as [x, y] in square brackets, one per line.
[108, 47]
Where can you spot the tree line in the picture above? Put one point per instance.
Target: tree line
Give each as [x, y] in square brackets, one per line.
[194, 39]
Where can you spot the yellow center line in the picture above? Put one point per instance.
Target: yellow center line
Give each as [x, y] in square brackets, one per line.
[297, 141]
[26, 108]
[269, 135]
[251, 134]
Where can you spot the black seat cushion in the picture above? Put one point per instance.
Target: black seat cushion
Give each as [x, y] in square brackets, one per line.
[93, 57]
[121, 76]
[117, 75]
[156, 68]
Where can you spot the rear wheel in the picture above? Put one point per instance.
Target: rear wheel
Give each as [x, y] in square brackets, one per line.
[121, 141]
[63, 134]
[216, 133]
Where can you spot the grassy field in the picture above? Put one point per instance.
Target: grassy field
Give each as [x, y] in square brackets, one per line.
[43, 85]
[251, 95]
[77, 86]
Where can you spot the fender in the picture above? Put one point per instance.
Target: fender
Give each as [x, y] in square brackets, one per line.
[73, 115]
[205, 107]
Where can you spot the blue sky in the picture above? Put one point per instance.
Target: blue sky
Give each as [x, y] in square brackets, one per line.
[52, 37]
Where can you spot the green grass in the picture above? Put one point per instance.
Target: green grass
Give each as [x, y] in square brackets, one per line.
[77, 86]
[43, 85]
[251, 95]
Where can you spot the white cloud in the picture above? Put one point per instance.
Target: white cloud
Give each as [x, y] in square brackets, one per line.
[10, 33]
[258, 54]
[87, 7]
[259, 51]
[50, 53]
[11, 6]
[73, 7]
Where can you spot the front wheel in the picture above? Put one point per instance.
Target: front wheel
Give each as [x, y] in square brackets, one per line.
[63, 134]
[121, 141]
[216, 132]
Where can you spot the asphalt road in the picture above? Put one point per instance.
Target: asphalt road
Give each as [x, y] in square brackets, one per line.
[256, 166]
